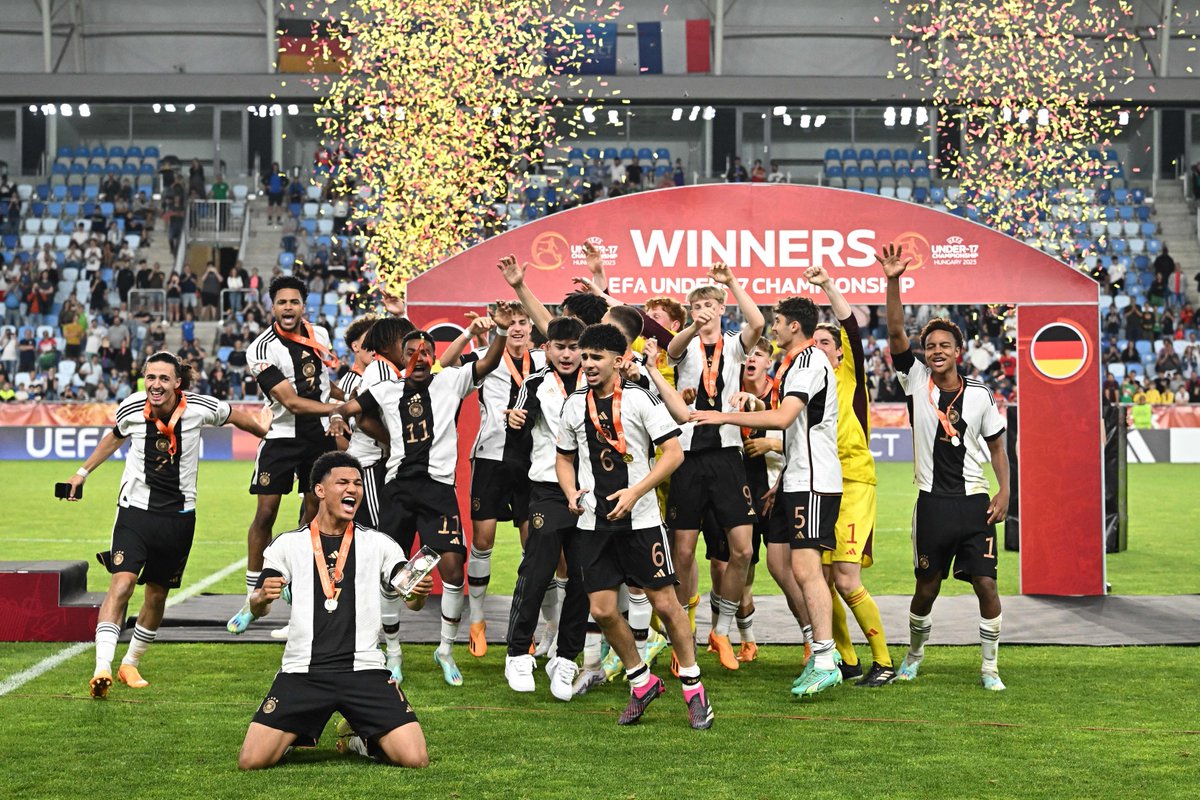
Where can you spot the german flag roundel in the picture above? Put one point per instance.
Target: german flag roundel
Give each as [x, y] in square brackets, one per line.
[1059, 351]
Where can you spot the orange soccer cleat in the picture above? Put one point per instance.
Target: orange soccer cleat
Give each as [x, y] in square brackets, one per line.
[478, 644]
[128, 674]
[99, 684]
[748, 652]
[724, 651]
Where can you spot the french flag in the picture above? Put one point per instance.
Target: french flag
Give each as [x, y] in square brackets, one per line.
[675, 47]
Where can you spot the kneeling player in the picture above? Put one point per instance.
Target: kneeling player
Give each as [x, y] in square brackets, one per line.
[337, 572]
[607, 432]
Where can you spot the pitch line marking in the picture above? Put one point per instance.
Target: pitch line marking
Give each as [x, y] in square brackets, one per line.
[51, 661]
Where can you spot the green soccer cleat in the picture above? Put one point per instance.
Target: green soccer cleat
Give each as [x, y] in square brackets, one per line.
[908, 668]
[612, 666]
[449, 669]
[991, 681]
[655, 646]
[818, 681]
[241, 620]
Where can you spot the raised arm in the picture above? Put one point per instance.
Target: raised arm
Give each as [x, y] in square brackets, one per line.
[595, 264]
[501, 317]
[514, 276]
[681, 340]
[819, 277]
[755, 323]
[109, 444]
[453, 352]
[894, 269]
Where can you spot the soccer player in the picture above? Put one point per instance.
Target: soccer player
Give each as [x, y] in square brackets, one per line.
[805, 507]
[337, 571]
[856, 515]
[291, 361]
[586, 307]
[709, 363]
[607, 432]
[419, 418]
[355, 338]
[952, 419]
[499, 460]
[156, 509]
[553, 531]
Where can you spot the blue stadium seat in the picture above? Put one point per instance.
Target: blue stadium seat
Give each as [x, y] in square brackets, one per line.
[1154, 246]
[1125, 212]
[870, 189]
[852, 171]
[849, 154]
[286, 260]
[64, 152]
[54, 209]
[1111, 155]
[1142, 213]
[921, 194]
[610, 153]
[42, 192]
[833, 171]
[89, 208]
[116, 151]
[883, 154]
[900, 154]
[60, 192]
[151, 152]
[147, 169]
[866, 154]
[627, 153]
[223, 354]
[134, 151]
[106, 208]
[82, 152]
[574, 154]
[832, 154]
[645, 154]
[1138, 195]
[129, 169]
[1121, 197]
[887, 171]
[1141, 263]
[593, 153]
[1144, 347]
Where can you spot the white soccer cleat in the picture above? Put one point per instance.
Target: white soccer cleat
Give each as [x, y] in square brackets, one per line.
[280, 633]
[586, 679]
[518, 670]
[991, 681]
[562, 678]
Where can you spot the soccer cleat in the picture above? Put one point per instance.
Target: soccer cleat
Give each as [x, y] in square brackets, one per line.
[908, 668]
[612, 666]
[712, 646]
[449, 669]
[241, 620]
[747, 652]
[281, 634]
[674, 664]
[807, 654]
[128, 674]
[347, 740]
[655, 645]
[99, 684]
[640, 700]
[395, 665]
[991, 681]
[585, 680]
[724, 651]
[518, 671]
[878, 675]
[545, 648]
[700, 713]
[562, 678]
[850, 671]
[804, 673]
[477, 646]
[818, 681]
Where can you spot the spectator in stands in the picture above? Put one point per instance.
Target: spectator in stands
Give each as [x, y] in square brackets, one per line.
[1168, 360]
[776, 175]
[141, 215]
[220, 192]
[249, 386]
[156, 280]
[80, 235]
[301, 250]
[1112, 390]
[93, 256]
[1160, 393]
[210, 292]
[196, 181]
[173, 299]
[633, 174]
[73, 333]
[26, 351]
[47, 350]
[341, 208]
[1164, 265]
[1133, 323]
[758, 174]
[1156, 294]
[218, 383]
[40, 299]
[188, 327]
[1112, 322]
[189, 293]
[1150, 324]
[677, 173]
[1008, 363]
[1166, 323]
[12, 223]
[143, 275]
[12, 303]
[1182, 396]
[8, 352]
[1176, 285]
[1190, 363]
[7, 393]
[1129, 354]
[736, 173]
[110, 187]
[273, 184]
[46, 259]
[1111, 354]
[236, 284]
[175, 206]
[616, 173]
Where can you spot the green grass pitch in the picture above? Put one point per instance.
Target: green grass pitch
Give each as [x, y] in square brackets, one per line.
[1075, 722]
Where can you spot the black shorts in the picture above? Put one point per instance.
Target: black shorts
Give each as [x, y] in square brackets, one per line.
[809, 518]
[707, 479]
[548, 509]
[154, 545]
[423, 506]
[302, 703]
[953, 528]
[369, 510]
[281, 461]
[499, 490]
[640, 558]
[274, 198]
[716, 541]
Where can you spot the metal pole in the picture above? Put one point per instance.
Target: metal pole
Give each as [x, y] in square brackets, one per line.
[718, 69]
[1164, 51]
[48, 67]
[272, 50]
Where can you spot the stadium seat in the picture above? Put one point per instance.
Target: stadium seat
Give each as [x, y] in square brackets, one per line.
[62, 241]
[593, 153]
[937, 194]
[133, 151]
[920, 195]
[900, 154]
[866, 154]
[1117, 370]
[832, 154]
[1142, 213]
[1154, 246]
[645, 154]
[902, 192]
[286, 260]
[1121, 197]
[1125, 212]
[890, 191]
[151, 152]
[33, 225]
[223, 354]
[610, 153]
[311, 210]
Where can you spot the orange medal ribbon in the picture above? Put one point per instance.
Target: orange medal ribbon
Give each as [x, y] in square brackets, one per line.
[712, 368]
[167, 430]
[307, 340]
[319, 557]
[518, 376]
[770, 397]
[781, 373]
[951, 431]
[619, 443]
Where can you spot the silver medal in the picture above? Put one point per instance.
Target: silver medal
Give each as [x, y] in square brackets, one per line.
[331, 605]
[954, 440]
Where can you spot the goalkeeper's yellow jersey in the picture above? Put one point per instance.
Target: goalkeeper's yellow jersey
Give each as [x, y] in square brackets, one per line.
[854, 415]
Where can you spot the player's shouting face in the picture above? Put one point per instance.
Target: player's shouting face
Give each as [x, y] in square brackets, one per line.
[162, 383]
[563, 355]
[519, 330]
[340, 492]
[941, 352]
[288, 308]
[419, 355]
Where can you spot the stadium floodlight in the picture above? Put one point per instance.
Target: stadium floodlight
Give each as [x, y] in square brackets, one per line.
[66, 110]
[293, 110]
[157, 107]
[805, 120]
[922, 116]
[1023, 116]
[85, 110]
[709, 112]
[779, 111]
[614, 117]
[1006, 114]
[1123, 117]
[905, 115]
[276, 110]
[190, 107]
[1043, 116]
[787, 119]
[262, 111]
[32, 108]
[819, 121]
[589, 114]
[676, 115]
[695, 114]
[169, 108]
[49, 109]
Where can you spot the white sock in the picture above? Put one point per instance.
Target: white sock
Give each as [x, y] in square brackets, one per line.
[714, 605]
[725, 616]
[623, 599]
[989, 640]
[807, 631]
[746, 628]
[142, 637]
[452, 604]
[106, 645]
[251, 581]
[479, 572]
[552, 606]
[639, 620]
[591, 645]
[918, 633]
[391, 603]
[823, 653]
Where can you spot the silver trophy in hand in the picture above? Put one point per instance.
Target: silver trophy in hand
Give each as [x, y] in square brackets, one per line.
[421, 564]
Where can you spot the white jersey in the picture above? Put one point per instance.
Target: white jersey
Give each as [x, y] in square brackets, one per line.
[689, 374]
[348, 637]
[599, 469]
[498, 393]
[271, 360]
[810, 443]
[542, 396]
[939, 464]
[153, 479]
[422, 423]
[363, 446]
